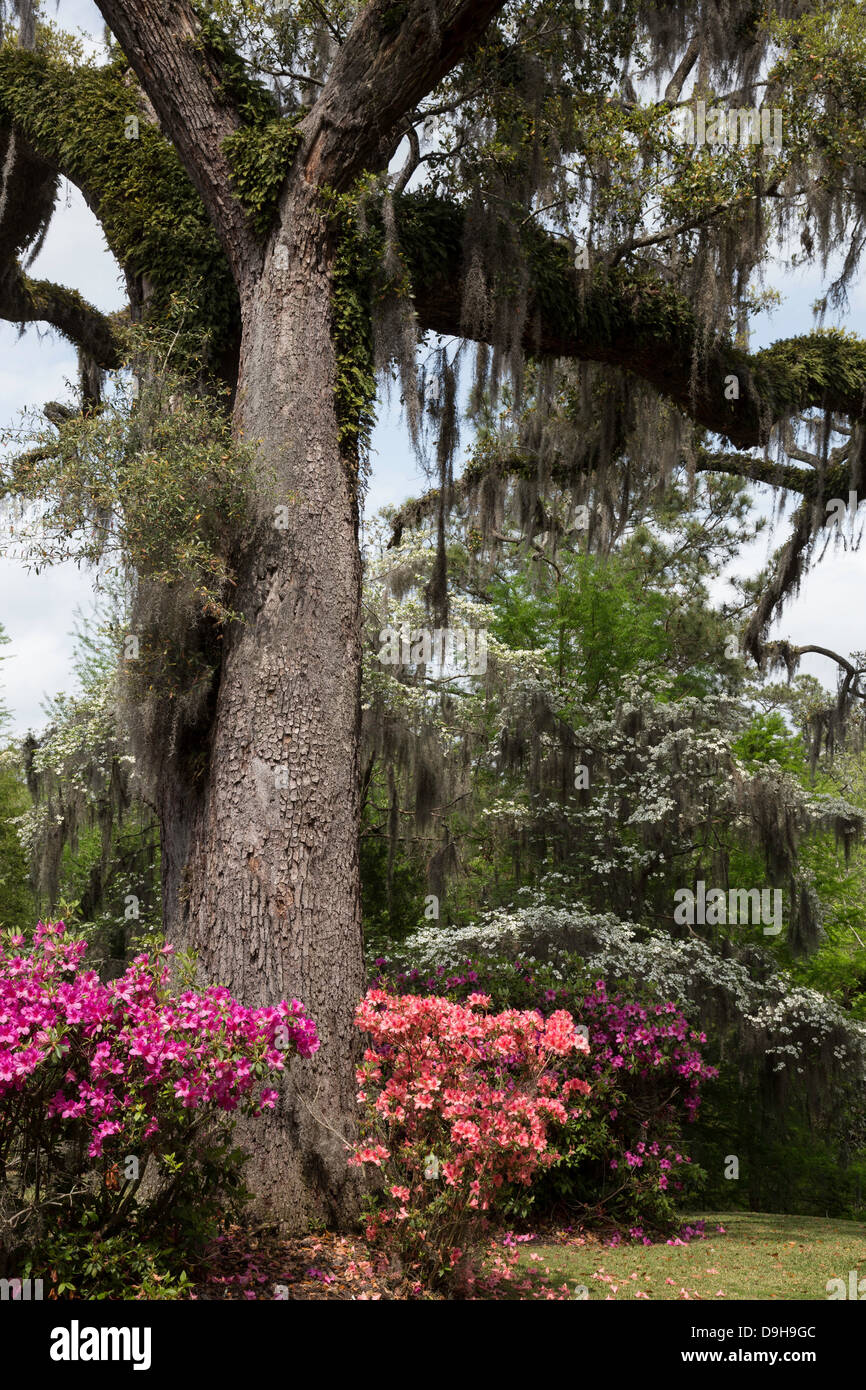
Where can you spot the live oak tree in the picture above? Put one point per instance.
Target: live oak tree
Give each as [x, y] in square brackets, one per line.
[307, 188]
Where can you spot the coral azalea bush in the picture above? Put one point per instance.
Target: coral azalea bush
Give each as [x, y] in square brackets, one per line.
[624, 1159]
[458, 1103]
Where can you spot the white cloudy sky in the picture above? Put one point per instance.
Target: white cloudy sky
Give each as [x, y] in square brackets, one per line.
[38, 612]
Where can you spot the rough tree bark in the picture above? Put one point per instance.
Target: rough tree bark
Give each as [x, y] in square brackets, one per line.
[272, 893]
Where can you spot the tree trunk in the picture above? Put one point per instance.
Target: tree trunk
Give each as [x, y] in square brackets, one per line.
[271, 891]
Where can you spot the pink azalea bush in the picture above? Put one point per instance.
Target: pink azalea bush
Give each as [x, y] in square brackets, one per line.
[94, 1072]
[458, 1102]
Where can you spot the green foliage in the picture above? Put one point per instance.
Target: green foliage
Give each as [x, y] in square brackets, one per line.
[16, 897]
[123, 1266]
[786, 1162]
[792, 373]
[155, 483]
[261, 157]
[391, 900]
[573, 637]
[81, 1253]
[608, 617]
[595, 621]
[838, 967]
[768, 739]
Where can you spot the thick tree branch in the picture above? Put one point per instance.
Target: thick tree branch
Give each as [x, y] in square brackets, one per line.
[641, 324]
[28, 188]
[23, 300]
[627, 319]
[785, 654]
[758, 470]
[674, 88]
[413, 159]
[393, 57]
[842, 661]
[182, 77]
[511, 465]
[818, 488]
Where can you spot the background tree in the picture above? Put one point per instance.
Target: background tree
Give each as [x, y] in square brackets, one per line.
[89, 833]
[16, 899]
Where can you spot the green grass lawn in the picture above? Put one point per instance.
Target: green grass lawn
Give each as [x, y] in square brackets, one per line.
[759, 1257]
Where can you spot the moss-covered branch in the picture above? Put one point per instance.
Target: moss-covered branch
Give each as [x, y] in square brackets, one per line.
[804, 481]
[87, 125]
[23, 300]
[637, 322]
[816, 487]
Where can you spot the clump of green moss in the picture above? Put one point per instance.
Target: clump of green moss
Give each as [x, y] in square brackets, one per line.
[356, 260]
[790, 374]
[260, 157]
